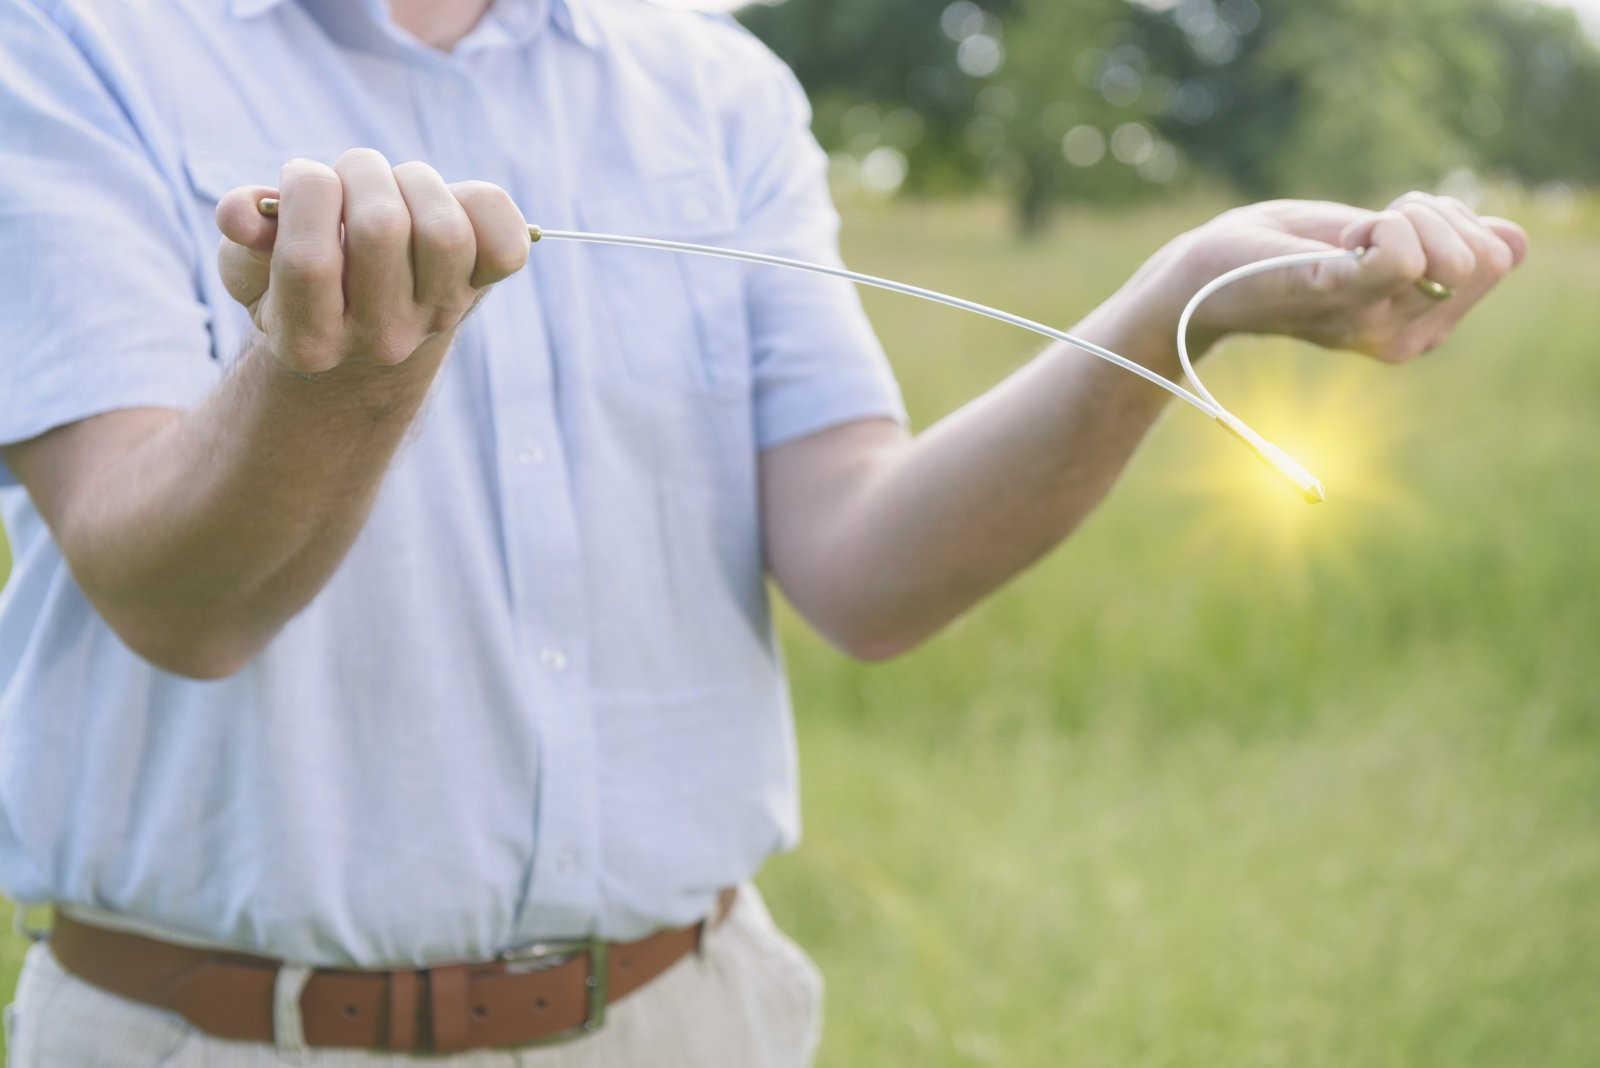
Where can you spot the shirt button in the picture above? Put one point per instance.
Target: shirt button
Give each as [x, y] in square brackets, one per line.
[554, 659]
[532, 454]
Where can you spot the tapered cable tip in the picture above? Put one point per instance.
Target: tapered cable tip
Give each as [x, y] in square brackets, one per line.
[534, 233]
[268, 206]
[1309, 485]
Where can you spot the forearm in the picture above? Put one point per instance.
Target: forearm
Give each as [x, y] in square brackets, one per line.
[933, 524]
[203, 538]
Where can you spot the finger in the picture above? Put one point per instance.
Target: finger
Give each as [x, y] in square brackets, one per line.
[444, 248]
[241, 221]
[1515, 237]
[307, 265]
[1394, 257]
[1493, 255]
[1451, 259]
[1319, 220]
[377, 245]
[500, 229]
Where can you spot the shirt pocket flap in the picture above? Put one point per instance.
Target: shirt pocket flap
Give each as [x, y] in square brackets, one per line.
[684, 205]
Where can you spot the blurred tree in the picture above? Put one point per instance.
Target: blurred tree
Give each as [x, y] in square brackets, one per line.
[1072, 109]
[885, 73]
[1546, 125]
[1343, 98]
[1107, 100]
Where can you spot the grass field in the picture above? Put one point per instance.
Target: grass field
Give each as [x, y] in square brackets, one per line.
[1228, 780]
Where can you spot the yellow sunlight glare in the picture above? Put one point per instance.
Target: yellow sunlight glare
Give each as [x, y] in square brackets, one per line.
[1338, 417]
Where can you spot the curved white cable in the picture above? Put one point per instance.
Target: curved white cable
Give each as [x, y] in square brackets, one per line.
[1210, 407]
[1201, 398]
[1308, 484]
[1239, 274]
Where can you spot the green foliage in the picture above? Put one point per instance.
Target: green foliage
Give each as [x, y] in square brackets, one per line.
[1352, 99]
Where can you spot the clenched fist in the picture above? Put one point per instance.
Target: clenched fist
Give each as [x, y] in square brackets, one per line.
[364, 263]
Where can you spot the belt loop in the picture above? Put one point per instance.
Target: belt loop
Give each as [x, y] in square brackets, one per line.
[288, 1030]
[447, 1008]
[404, 1005]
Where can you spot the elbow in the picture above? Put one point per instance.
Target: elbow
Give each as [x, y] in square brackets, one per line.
[201, 654]
[202, 661]
[877, 651]
[872, 645]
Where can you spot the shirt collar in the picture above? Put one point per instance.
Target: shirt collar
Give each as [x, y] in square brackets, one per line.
[520, 16]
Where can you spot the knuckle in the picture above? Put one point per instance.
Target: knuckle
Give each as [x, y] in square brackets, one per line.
[307, 261]
[414, 168]
[484, 197]
[506, 258]
[382, 220]
[446, 232]
[1412, 264]
[1460, 264]
[307, 354]
[359, 155]
[1414, 210]
[303, 173]
[1499, 259]
[474, 189]
[390, 347]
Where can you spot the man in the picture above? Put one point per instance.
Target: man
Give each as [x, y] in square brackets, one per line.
[360, 648]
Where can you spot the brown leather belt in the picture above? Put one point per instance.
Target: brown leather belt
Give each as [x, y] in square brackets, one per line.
[549, 991]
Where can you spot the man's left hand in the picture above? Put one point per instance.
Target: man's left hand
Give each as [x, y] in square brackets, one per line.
[1372, 305]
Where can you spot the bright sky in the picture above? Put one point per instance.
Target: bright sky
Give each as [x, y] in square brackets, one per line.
[1588, 10]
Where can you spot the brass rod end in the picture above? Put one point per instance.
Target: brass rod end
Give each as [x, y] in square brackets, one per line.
[534, 233]
[268, 206]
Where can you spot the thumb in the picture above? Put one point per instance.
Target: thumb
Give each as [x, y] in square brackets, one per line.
[244, 259]
[241, 221]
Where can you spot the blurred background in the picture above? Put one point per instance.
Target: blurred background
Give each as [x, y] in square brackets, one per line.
[1226, 780]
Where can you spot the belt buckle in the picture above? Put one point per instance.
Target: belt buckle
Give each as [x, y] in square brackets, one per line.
[537, 956]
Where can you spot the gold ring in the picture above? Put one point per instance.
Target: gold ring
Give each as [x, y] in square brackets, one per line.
[1434, 290]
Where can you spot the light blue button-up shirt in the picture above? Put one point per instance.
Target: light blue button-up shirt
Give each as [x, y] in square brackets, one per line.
[541, 696]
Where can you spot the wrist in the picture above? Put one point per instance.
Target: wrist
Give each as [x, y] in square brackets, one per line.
[1140, 320]
[368, 387]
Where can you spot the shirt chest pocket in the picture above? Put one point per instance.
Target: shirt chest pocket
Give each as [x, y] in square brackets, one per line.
[677, 321]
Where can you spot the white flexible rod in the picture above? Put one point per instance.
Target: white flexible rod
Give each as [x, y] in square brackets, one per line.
[1307, 483]
[1209, 406]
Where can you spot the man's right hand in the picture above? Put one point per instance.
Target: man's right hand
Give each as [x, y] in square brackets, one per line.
[364, 263]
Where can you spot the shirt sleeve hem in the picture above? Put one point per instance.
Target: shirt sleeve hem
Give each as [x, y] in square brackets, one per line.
[781, 422]
[36, 420]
